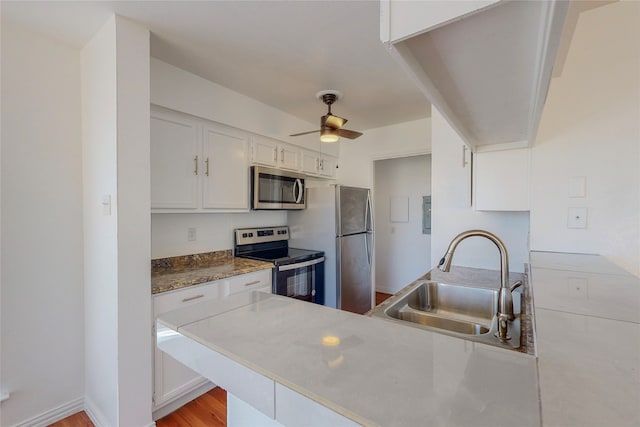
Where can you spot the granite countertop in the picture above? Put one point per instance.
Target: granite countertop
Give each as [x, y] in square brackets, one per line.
[168, 274]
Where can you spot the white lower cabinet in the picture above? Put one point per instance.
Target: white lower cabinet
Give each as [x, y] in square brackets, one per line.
[257, 281]
[172, 379]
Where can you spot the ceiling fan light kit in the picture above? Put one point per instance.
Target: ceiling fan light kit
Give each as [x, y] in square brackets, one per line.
[328, 135]
[330, 125]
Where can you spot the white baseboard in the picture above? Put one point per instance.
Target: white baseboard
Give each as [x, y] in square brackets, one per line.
[53, 415]
[96, 416]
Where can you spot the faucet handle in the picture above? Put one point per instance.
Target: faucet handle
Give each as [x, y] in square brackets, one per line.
[515, 285]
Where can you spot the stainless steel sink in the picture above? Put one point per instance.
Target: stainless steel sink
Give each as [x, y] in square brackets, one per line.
[463, 311]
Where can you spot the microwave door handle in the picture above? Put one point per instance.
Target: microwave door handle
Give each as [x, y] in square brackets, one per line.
[298, 184]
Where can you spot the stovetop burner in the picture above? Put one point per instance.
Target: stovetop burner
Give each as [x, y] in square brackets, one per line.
[270, 244]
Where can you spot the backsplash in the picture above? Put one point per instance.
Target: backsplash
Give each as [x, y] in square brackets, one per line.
[214, 231]
[177, 263]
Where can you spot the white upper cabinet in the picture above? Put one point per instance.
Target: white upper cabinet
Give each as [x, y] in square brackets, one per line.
[196, 165]
[226, 169]
[317, 164]
[501, 180]
[174, 161]
[275, 154]
[485, 65]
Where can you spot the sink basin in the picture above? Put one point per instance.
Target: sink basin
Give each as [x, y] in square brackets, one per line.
[464, 311]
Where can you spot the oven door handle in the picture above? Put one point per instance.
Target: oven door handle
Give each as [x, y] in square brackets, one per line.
[288, 267]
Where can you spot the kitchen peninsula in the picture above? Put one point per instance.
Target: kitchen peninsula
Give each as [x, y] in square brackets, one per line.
[294, 361]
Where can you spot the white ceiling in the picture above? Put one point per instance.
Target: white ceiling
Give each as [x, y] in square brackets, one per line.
[278, 52]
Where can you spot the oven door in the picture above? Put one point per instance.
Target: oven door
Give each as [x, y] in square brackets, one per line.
[303, 280]
[275, 189]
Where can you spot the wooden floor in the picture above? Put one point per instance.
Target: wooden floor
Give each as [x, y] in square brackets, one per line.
[208, 410]
[380, 296]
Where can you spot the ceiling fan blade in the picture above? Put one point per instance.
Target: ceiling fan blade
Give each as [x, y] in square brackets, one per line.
[351, 134]
[305, 133]
[334, 122]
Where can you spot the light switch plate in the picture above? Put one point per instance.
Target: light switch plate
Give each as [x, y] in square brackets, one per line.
[577, 218]
[106, 205]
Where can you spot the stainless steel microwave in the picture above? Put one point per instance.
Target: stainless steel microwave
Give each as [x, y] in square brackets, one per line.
[276, 189]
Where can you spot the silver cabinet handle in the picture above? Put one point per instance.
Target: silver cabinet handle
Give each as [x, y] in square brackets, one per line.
[207, 163]
[275, 154]
[192, 298]
[317, 164]
[282, 155]
[255, 282]
[195, 164]
[464, 156]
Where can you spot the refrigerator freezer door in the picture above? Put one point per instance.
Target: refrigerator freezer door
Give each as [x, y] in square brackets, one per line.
[354, 280]
[352, 210]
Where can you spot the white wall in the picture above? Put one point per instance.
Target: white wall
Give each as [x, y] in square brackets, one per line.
[134, 225]
[42, 291]
[214, 231]
[115, 82]
[99, 139]
[591, 128]
[403, 253]
[400, 140]
[451, 213]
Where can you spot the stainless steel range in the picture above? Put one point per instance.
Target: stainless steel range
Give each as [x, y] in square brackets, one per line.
[298, 273]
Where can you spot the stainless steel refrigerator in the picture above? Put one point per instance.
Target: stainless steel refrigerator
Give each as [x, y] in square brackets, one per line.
[338, 220]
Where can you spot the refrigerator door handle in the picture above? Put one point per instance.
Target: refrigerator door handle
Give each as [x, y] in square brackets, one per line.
[368, 214]
[366, 247]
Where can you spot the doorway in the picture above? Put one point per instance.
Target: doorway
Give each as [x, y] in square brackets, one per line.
[403, 242]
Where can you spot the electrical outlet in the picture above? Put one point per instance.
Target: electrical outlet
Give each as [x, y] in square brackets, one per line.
[191, 234]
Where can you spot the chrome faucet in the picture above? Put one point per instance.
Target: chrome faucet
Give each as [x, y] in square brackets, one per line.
[505, 299]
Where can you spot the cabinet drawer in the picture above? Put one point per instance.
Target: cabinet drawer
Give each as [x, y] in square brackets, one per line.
[180, 298]
[259, 280]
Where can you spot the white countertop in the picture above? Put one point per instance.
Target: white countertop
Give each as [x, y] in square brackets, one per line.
[587, 313]
[381, 373]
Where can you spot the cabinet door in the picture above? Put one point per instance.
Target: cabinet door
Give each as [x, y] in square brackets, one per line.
[310, 162]
[256, 281]
[264, 152]
[174, 161]
[328, 166]
[171, 378]
[501, 180]
[226, 169]
[288, 157]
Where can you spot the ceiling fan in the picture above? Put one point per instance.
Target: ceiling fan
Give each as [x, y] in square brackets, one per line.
[330, 125]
